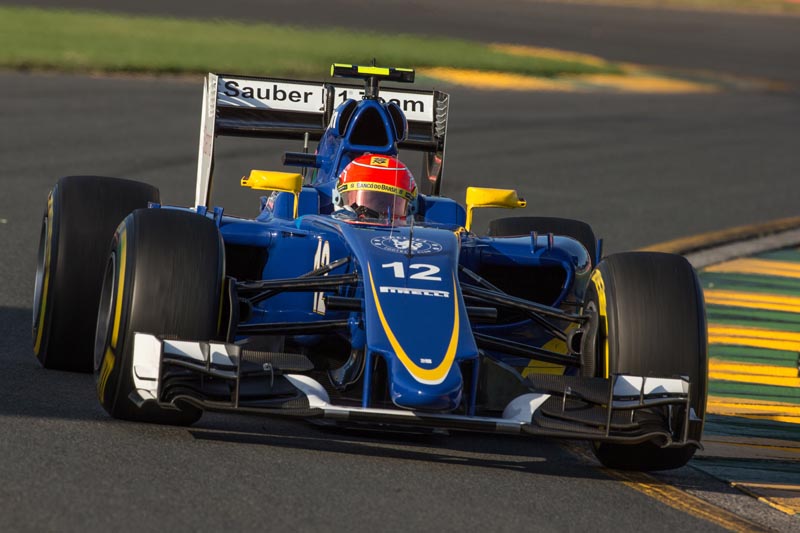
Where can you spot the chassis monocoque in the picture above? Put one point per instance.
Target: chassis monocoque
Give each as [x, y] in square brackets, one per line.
[527, 330]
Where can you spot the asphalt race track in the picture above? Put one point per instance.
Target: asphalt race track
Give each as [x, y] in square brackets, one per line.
[641, 169]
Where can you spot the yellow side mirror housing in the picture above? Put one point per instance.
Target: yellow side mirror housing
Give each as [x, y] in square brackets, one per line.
[486, 197]
[266, 180]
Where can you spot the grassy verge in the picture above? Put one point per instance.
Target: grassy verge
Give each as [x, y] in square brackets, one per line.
[770, 7]
[92, 41]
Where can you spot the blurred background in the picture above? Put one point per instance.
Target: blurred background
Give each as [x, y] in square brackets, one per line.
[651, 120]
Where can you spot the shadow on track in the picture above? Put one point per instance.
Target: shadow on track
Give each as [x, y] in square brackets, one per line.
[27, 389]
[473, 451]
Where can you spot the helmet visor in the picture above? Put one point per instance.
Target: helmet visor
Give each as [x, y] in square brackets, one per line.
[375, 205]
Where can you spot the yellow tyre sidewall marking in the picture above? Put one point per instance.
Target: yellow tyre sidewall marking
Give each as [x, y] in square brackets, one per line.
[109, 359]
[599, 284]
[121, 254]
[105, 371]
[46, 281]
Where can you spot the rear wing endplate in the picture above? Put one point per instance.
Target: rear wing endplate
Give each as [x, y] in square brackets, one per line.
[289, 109]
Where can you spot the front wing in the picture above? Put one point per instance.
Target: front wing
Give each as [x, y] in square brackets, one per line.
[224, 377]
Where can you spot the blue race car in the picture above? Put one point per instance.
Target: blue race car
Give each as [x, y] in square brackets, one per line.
[358, 298]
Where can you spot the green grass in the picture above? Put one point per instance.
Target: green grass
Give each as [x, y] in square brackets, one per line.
[770, 7]
[92, 41]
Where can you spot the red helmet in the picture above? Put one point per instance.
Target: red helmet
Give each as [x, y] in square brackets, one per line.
[377, 187]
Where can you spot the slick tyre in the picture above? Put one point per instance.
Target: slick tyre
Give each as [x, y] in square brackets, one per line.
[81, 216]
[578, 230]
[164, 276]
[647, 318]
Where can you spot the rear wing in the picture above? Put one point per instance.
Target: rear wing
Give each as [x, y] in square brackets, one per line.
[249, 106]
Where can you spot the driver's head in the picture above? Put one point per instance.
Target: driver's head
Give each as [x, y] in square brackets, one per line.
[378, 188]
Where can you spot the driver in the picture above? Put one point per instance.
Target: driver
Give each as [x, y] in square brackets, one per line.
[375, 188]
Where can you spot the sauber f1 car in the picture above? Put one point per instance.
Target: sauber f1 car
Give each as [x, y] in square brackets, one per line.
[357, 298]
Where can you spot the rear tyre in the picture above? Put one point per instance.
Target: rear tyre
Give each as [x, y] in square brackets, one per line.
[578, 230]
[81, 216]
[647, 319]
[164, 276]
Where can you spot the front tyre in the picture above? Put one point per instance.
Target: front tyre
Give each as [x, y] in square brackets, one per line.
[81, 216]
[647, 318]
[164, 276]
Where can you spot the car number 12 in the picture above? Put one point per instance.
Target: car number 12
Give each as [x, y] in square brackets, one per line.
[426, 272]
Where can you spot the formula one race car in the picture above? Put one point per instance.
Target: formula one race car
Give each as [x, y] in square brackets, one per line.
[356, 298]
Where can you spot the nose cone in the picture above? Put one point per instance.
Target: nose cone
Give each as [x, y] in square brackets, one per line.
[411, 394]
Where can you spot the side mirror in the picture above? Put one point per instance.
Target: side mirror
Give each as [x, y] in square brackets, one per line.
[485, 197]
[265, 180]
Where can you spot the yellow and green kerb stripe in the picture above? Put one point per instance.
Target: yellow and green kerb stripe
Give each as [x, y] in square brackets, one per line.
[753, 308]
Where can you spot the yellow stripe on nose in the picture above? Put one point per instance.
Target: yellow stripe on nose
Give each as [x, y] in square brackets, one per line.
[432, 376]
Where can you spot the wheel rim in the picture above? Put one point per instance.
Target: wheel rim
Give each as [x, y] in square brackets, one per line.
[41, 269]
[105, 312]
